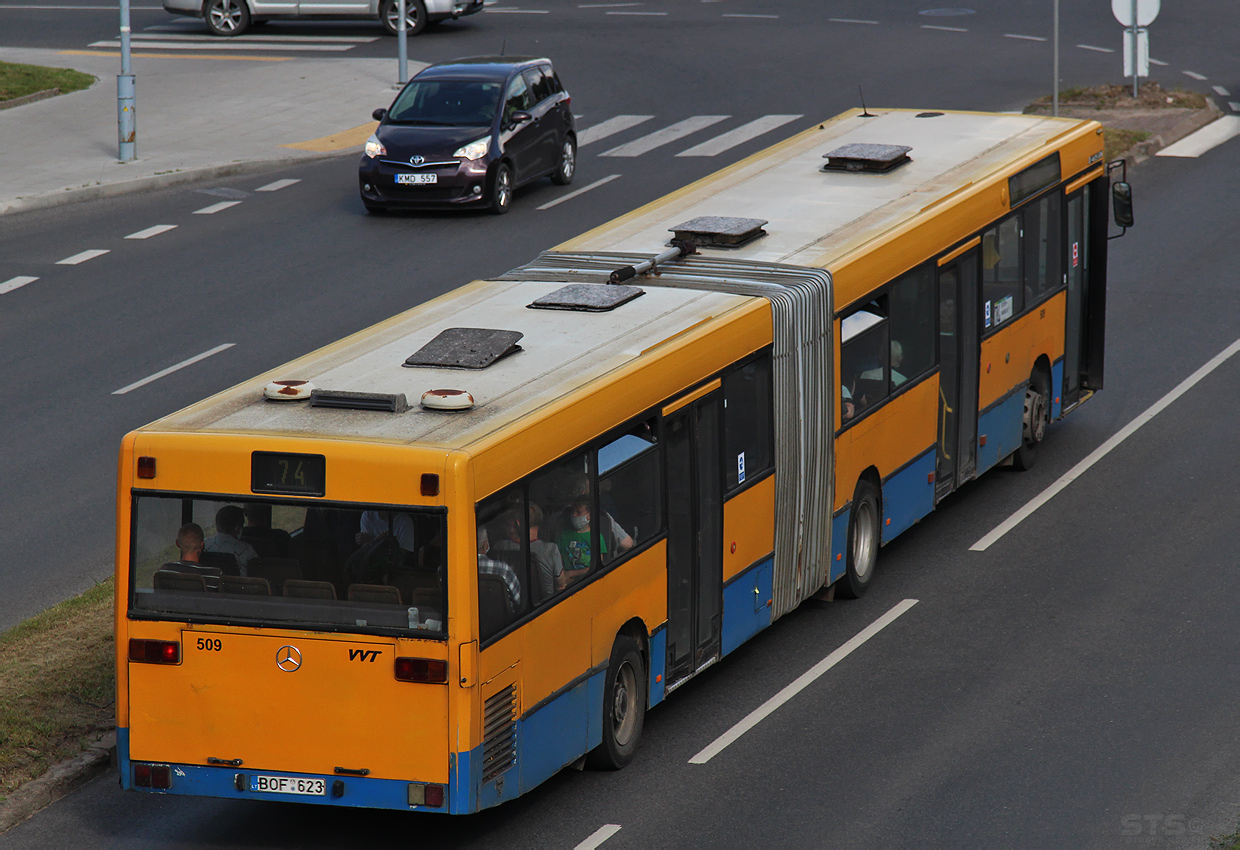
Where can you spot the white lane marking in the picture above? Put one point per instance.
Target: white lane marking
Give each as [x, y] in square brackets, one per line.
[152, 231]
[223, 44]
[1234, 105]
[214, 208]
[743, 133]
[1102, 451]
[278, 185]
[605, 5]
[635, 13]
[667, 135]
[612, 125]
[803, 681]
[598, 836]
[1222, 92]
[580, 191]
[1210, 136]
[15, 283]
[171, 369]
[1157, 62]
[1023, 37]
[85, 8]
[177, 36]
[944, 29]
[741, 15]
[1095, 48]
[1194, 75]
[82, 257]
[851, 21]
[499, 11]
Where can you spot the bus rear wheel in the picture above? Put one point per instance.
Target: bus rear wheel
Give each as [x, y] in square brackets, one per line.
[624, 707]
[863, 541]
[1034, 422]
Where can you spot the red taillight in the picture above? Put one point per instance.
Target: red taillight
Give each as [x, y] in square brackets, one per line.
[425, 795]
[142, 775]
[434, 795]
[154, 651]
[146, 467]
[426, 670]
[430, 484]
[152, 776]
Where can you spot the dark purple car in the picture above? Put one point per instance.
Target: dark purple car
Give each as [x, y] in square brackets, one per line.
[468, 133]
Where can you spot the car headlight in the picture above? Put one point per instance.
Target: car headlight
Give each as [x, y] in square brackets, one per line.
[374, 147]
[474, 150]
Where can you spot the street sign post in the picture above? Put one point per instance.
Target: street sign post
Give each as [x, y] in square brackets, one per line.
[1135, 14]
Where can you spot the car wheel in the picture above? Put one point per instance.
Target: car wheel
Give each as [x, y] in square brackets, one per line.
[226, 17]
[863, 541]
[501, 189]
[567, 167]
[1033, 422]
[415, 16]
[624, 707]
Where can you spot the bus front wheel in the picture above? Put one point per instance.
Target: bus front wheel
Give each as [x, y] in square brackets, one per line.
[624, 707]
[863, 541]
[1034, 421]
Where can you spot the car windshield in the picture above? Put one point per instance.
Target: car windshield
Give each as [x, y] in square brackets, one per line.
[447, 103]
[370, 568]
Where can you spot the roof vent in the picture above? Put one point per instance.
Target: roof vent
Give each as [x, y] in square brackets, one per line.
[588, 297]
[447, 400]
[874, 159]
[466, 348]
[716, 231]
[288, 390]
[344, 400]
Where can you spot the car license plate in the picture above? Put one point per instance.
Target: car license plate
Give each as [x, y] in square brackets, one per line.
[415, 179]
[288, 785]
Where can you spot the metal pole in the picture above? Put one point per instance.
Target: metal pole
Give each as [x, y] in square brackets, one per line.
[1135, 52]
[126, 117]
[402, 51]
[1055, 90]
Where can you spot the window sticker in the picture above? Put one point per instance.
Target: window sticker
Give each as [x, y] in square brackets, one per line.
[987, 314]
[1003, 309]
[740, 468]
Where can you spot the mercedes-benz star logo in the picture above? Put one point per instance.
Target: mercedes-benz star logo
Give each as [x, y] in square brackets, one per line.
[417, 159]
[288, 658]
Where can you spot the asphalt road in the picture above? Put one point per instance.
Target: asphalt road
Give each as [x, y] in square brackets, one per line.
[1070, 684]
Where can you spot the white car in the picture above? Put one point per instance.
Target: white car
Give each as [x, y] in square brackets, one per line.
[233, 17]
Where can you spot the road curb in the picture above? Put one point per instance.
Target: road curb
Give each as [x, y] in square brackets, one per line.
[29, 98]
[59, 781]
[159, 181]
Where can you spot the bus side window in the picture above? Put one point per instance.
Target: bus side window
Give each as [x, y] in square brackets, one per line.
[913, 309]
[1002, 287]
[630, 495]
[747, 409]
[559, 491]
[1041, 247]
[502, 558]
[864, 360]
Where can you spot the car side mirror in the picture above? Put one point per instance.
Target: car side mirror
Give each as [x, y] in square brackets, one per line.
[520, 117]
[1121, 203]
[379, 114]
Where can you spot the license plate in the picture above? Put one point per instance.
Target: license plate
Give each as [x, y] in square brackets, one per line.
[415, 179]
[288, 785]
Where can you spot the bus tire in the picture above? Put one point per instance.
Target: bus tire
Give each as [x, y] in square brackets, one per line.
[864, 530]
[1034, 421]
[624, 707]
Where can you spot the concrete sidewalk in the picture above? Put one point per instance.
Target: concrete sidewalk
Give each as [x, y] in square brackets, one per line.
[196, 117]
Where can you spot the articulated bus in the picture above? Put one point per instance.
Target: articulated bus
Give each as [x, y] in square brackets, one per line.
[429, 566]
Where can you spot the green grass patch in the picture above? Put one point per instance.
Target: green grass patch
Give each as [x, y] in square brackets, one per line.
[57, 685]
[21, 80]
[1119, 142]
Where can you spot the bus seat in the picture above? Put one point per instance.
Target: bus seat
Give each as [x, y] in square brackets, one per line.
[246, 585]
[302, 589]
[267, 542]
[275, 570]
[172, 580]
[381, 594]
[225, 562]
[494, 604]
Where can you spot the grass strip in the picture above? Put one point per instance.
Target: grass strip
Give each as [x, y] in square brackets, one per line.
[1119, 142]
[21, 80]
[57, 685]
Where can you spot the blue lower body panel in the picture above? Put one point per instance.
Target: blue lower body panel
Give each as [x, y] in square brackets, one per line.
[658, 665]
[908, 495]
[1001, 425]
[745, 604]
[1057, 389]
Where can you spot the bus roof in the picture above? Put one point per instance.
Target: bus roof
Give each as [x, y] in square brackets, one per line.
[947, 152]
[560, 352]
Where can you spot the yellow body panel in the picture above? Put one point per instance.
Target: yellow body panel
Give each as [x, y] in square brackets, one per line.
[1008, 356]
[748, 527]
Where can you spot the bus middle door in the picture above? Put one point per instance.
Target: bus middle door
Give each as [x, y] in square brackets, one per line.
[959, 359]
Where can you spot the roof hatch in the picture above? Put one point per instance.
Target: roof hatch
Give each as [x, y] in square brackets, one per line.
[466, 348]
[345, 400]
[875, 159]
[588, 297]
[717, 231]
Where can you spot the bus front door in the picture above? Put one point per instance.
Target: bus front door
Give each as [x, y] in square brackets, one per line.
[694, 534]
[959, 355]
[1076, 330]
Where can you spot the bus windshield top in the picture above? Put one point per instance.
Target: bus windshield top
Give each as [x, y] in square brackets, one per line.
[367, 568]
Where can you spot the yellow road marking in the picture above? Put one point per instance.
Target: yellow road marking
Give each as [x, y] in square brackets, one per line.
[337, 141]
[177, 56]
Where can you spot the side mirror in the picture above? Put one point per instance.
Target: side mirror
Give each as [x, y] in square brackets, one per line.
[1121, 203]
[520, 117]
[379, 114]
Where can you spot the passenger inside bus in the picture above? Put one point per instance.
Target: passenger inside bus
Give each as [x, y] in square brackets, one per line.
[267, 541]
[492, 568]
[545, 556]
[229, 520]
[378, 524]
[189, 541]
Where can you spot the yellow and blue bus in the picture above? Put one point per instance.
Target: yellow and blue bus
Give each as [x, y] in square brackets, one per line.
[431, 565]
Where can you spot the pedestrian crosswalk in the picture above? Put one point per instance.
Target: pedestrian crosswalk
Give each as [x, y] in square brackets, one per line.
[170, 38]
[618, 125]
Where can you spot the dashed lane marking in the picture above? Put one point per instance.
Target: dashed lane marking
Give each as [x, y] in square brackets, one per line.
[851, 21]
[1194, 75]
[1095, 48]
[742, 134]
[214, 208]
[165, 372]
[580, 191]
[609, 127]
[16, 283]
[77, 259]
[215, 57]
[650, 14]
[665, 136]
[1023, 37]
[598, 836]
[1158, 62]
[278, 185]
[152, 231]
[1222, 92]
[241, 39]
[217, 45]
[742, 15]
[943, 29]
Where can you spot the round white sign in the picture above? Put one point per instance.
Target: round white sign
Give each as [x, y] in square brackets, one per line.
[1147, 11]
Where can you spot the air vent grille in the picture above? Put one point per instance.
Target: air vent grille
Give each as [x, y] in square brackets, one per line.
[466, 348]
[587, 297]
[499, 742]
[344, 400]
[716, 231]
[874, 159]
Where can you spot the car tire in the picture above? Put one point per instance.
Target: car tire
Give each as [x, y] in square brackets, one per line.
[567, 166]
[501, 189]
[624, 707]
[226, 18]
[864, 530]
[415, 17]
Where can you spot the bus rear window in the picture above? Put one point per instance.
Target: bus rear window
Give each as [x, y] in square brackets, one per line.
[340, 567]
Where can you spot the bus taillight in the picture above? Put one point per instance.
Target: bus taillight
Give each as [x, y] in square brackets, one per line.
[426, 670]
[152, 776]
[425, 795]
[154, 651]
[146, 467]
